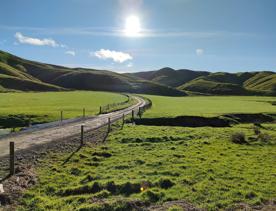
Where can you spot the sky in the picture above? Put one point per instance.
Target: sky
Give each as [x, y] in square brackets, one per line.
[143, 35]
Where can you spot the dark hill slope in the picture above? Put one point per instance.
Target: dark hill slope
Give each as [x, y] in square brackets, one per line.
[45, 77]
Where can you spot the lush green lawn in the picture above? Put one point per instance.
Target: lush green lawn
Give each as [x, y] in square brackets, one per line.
[201, 166]
[51, 103]
[209, 106]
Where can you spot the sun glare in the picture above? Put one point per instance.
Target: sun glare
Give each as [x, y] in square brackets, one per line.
[133, 26]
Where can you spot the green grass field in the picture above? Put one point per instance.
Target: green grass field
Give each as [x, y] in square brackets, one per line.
[200, 166]
[153, 165]
[208, 106]
[47, 105]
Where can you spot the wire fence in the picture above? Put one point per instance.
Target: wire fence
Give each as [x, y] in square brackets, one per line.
[114, 106]
[28, 126]
[15, 158]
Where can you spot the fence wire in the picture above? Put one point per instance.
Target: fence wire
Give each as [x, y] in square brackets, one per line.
[73, 143]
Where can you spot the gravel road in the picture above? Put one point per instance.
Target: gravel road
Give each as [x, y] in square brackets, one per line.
[42, 136]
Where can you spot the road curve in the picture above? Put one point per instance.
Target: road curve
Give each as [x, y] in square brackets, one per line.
[41, 136]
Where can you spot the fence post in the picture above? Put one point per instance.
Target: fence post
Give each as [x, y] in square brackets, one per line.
[83, 112]
[100, 109]
[109, 125]
[82, 134]
[29, 122]
[123, 121]
[132, 116]
[12, 159]
[61, 116]
[140, 112]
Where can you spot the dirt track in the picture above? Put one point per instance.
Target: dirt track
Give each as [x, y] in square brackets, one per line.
[42, 136]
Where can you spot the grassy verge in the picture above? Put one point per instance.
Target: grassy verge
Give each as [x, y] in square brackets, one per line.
[157, 164]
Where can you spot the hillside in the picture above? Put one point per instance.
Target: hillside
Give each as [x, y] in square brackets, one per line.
[24, 75]
[170, 77]
[220, 83]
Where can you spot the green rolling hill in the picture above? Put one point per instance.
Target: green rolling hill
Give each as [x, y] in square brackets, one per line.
[220, 83]
[170, 77]
[24, 75]
[17, 74]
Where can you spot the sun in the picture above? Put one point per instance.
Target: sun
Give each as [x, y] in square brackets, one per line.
[132, 26]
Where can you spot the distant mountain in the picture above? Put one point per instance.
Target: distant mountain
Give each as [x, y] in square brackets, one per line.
[24, 75]
[20, 74]
[171, 77]
[220, 83]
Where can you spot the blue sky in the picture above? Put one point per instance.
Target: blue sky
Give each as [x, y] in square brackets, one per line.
[214, 35]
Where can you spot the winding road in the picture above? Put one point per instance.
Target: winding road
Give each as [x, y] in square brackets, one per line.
[27, 139]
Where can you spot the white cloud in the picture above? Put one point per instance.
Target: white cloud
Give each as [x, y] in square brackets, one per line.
[199, 51]
[71, 53]
[35, 41]
[116, 56]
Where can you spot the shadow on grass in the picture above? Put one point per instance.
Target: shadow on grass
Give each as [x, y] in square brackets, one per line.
[71, 155]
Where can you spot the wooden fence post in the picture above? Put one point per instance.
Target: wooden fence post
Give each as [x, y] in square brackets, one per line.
[132, 116]
[61, 116]
[83, 112]
[29, 122]
[140, 112]
[100, 109]
[12, 159]
[82, 134]
[109, 124]
[123, 121]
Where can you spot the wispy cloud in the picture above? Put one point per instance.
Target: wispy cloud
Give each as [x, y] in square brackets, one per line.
[120, 32]
[36, 41]
[116, 56]
[71, 53]
[199, 51]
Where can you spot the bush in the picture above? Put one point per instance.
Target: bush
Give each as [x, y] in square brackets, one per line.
[238, 138]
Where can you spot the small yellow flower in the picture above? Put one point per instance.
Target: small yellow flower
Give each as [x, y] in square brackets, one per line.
[142, 189]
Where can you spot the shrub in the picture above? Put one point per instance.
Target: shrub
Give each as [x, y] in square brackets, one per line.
[238, 138]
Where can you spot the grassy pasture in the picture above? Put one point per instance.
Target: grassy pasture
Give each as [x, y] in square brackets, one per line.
[208, 106]
[48, 105]
[201, 166]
